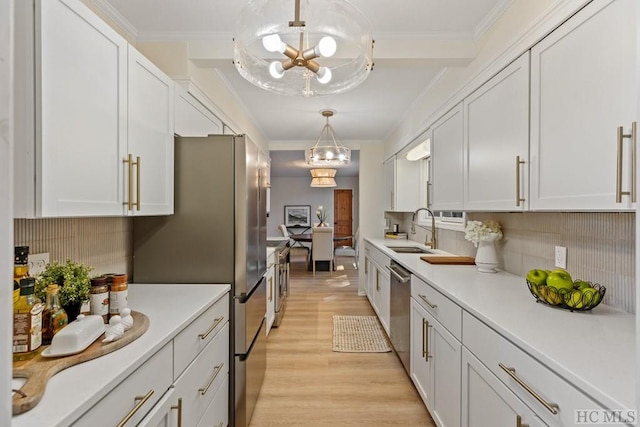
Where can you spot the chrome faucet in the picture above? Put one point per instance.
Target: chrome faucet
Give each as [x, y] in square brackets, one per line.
[431, 243]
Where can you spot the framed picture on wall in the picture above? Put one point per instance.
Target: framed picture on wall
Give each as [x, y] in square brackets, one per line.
[297, 215]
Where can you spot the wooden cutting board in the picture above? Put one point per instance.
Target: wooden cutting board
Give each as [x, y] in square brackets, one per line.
[448, 260]
[39, 369]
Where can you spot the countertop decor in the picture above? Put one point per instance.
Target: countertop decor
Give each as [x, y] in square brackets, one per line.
[484, 235]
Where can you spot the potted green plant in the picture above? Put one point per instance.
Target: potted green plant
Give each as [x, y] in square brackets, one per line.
[74, 281]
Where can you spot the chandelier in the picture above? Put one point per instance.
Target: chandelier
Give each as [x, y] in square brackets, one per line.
[323, 177]
[326, 49]
[329, 154]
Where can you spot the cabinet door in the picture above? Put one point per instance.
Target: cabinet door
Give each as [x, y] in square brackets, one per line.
[488, 402]
[149, 184]
[420, 372]
[496, 141]
[165, 413]
[408, 185]
[74, 137]
[192, 118]
[582, 88]
[390, 184]
[383, 296]
[446, 161]
[271, 289]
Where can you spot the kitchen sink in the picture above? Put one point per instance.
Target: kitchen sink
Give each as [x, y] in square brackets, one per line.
[410, 250]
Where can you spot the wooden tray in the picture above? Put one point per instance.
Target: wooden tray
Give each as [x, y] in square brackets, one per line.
[38, 370]
[448, 260]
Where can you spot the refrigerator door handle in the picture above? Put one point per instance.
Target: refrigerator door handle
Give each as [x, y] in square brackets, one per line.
[244, 297]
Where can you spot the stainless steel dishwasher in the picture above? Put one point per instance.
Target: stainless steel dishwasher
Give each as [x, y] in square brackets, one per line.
[400, 327]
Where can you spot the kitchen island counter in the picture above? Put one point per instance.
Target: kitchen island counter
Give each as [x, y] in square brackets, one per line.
[593, 350]
[170, 308]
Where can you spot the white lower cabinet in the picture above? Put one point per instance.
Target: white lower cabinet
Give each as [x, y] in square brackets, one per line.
[377, 284]
[269, 276]
[488, 402]
[435, 366]
[217, 414]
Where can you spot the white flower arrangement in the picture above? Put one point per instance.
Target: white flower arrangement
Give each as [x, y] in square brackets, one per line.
[478, 231]
[321, 214]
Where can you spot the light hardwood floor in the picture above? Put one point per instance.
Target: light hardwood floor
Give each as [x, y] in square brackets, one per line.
[307, 384]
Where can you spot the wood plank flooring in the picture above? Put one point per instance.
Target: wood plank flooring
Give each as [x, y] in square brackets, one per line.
[307, 384]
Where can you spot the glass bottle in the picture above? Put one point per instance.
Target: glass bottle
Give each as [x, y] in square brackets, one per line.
[20, 269]
[54, 317]
[118, 291]
[99, 298]
[27, 322]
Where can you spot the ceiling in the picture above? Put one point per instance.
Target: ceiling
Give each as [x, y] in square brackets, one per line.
[415, 42]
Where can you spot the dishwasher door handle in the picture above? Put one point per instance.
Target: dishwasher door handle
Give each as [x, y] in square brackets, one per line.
[402, 279]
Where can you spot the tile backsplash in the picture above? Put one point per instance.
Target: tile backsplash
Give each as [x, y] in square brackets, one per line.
[102, 243]
[600, 246]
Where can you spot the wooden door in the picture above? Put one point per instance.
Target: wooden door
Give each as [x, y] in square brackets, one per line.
[343, 214]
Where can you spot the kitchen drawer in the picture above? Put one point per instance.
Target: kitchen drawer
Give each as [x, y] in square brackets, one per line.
[378, 257]
[198, 334]
[149, 382]
[217, 414]
[198, 384]
[442, 308]
[492, 349]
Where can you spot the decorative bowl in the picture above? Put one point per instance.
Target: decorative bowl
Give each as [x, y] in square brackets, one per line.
[573, 300]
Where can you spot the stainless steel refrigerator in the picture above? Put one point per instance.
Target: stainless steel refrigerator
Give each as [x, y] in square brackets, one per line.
[217, 235]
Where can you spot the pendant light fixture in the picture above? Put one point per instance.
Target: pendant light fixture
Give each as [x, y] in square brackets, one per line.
[323, 178]
[329, 154]
[292, 57]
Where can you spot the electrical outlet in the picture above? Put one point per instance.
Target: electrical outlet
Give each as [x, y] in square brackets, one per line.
[561, 257]
[37, 263]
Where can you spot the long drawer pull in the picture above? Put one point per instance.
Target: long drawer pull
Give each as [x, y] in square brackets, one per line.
[519, 422]
[429, 303]
[216, 322]
[551, 407]
[216, 371]
[141, 401]
[179, 409]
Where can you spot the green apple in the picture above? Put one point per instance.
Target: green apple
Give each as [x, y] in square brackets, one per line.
[581, 284]
[575, 299]
[591, 296]
[537, 276]
[561, 280]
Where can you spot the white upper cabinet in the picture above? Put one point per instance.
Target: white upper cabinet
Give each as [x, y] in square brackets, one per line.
[583, 87]
[149, 180]
[496, 149]
[193, 118]
[82, 107]
[402, 184]
[447, 161]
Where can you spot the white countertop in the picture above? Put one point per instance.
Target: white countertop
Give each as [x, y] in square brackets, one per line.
[170, 308]
[594, 350]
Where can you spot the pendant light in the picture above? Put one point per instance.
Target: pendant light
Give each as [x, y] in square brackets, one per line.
[329, 154]
[323, 178]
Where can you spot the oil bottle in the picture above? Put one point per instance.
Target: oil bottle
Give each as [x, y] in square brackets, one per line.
[20, 269]
[27, 321]
[54, 317]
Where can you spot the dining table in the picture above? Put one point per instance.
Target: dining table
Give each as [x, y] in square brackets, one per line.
[308, 237]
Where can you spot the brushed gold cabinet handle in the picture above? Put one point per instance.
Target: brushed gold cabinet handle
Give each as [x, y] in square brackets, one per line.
[129, 161]
[519, 198]
[551, 407]
[179, 408]
[216, 322]
[137, 163]
[270, 288]
[426, 340]
[519, 422]
[619, 166]
[424, 334]
[216, 371]
[634, 163]
[141, 401]
[429, 303]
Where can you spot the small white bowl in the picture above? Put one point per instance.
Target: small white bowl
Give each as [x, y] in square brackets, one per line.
[76, 336]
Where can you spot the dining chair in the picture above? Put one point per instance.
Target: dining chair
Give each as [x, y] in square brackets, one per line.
[292, 243]
[350, 250]
[322, 247]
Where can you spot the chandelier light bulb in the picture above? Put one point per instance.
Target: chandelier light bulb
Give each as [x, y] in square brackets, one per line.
[327, 47]
[276, 70]
[273, 43]
[324, 75]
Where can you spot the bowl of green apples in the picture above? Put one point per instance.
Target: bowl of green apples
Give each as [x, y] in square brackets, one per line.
[556, 288]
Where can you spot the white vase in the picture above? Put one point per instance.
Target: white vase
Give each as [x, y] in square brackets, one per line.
[486, 256]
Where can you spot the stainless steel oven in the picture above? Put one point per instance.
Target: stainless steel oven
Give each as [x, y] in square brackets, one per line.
[400, 327]
[282, 283]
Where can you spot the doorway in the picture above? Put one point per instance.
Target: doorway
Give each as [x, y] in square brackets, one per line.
[343, 214]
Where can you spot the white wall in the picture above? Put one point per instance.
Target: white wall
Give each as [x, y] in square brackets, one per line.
[297, 191]
[6, 207]
[371, 200]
